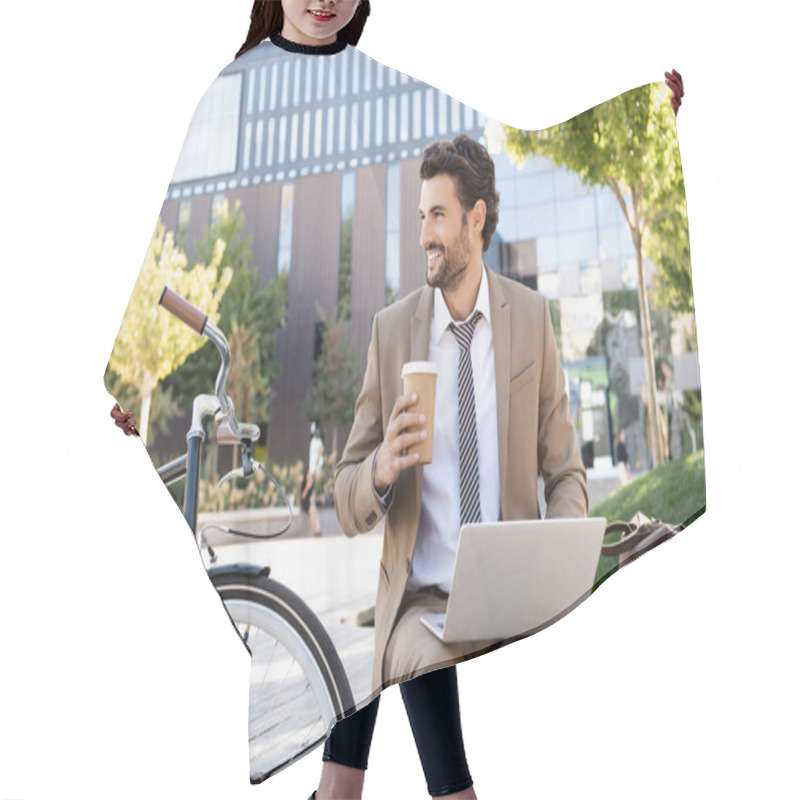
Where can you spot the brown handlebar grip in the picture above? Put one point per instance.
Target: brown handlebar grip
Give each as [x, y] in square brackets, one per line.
[183, 310]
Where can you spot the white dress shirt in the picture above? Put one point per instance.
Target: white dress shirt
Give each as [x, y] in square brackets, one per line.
[439, 525]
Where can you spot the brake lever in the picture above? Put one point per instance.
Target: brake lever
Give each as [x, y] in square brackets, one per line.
[241, 472]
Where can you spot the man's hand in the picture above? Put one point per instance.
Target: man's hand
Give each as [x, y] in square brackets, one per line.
[124, 420]
[390, 461]
[675, 83]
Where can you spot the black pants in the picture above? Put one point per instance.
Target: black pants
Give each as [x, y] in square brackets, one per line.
[431, 702]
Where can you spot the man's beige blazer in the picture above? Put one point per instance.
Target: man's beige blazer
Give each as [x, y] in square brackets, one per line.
[534, 429]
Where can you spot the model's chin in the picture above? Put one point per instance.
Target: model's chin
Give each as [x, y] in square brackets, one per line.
[433, 277]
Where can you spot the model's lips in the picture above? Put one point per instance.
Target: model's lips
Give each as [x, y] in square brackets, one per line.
[323, 16]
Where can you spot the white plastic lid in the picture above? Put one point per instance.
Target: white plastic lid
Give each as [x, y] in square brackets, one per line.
[412, 367]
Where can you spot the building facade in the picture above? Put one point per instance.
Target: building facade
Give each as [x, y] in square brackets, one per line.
[323, 155]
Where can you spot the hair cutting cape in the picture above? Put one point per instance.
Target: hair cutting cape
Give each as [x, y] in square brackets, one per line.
[292, 221]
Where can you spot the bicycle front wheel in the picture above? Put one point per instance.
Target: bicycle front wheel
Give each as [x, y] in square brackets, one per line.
[298, 685]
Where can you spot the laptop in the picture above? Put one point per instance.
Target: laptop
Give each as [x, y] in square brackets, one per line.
[517, 577]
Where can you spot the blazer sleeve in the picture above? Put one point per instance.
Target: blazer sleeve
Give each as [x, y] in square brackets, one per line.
[358, 507]
[558, 454]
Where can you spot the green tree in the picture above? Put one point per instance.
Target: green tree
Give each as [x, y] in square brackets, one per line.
[337, 380]
[668, 246]
[249, 315]
[629, 144]
[151, 343]
[345, 269]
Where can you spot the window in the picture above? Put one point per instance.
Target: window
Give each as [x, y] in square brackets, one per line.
[309, 81]
[330, 131]
[318, 133]
[321, 62]
[282, 140]
[379, 122]
[298, 77]
[392, 121]
[259, 142]
[273, 89]
[354, 127]
[404, 126]
[416, 115]
[285, 230]
[442, 113]
[576, 214]
[270, 141]
[262, 89]
[211, 144]
[295, 136]
[367, 74]
[287, 67]
[469, 118]
[356, 70]
[342, 127]
[248, 134]
[367, 124]
[331, 79]
[343, 76]
[251, 89]
[455, 115]
[392, 269]
[306, 134]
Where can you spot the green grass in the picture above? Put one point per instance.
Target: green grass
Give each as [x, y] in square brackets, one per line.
[674, 493]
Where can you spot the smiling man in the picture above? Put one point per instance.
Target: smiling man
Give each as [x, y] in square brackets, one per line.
[501, 414]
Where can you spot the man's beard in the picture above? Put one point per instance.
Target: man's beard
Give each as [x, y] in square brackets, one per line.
[454, 262]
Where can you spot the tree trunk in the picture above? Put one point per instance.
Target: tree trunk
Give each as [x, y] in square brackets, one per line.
[657, 450]
[148, 386]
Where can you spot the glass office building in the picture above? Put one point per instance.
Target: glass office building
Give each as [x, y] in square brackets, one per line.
[323, 155]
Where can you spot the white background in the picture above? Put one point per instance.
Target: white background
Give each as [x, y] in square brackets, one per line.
[119, 674]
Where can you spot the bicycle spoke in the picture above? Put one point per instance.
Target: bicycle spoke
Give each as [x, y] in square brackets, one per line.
[297, 683]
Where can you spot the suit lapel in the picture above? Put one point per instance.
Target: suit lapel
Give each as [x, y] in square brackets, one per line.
[501, 340]
[420, 337]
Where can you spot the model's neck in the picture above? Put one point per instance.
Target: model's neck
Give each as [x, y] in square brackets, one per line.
[461, 301]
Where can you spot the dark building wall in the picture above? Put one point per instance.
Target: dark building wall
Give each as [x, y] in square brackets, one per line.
[169, 215]
[313, 284]
[261, 206]
[369, 256]
[412, 259]
[199, 220]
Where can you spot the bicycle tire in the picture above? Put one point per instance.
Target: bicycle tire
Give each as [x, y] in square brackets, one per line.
[290, 719]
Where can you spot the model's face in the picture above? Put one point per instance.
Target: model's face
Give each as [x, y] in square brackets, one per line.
[316, 22]
[445, 236]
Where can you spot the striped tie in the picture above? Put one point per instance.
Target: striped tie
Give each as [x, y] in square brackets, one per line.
[467, 430]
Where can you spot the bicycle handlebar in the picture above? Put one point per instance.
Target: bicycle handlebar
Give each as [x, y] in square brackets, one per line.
[229, 429]
[182, 309]
[198, 321]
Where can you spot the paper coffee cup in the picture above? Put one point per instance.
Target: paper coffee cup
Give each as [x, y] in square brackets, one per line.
[420, 377]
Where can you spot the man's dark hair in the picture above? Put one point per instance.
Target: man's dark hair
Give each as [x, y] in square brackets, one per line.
[469, 164]
[266, 19]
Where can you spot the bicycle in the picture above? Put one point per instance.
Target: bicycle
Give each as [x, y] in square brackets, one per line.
[298, 685]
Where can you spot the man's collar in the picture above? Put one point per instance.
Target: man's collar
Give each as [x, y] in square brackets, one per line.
[441, 313]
